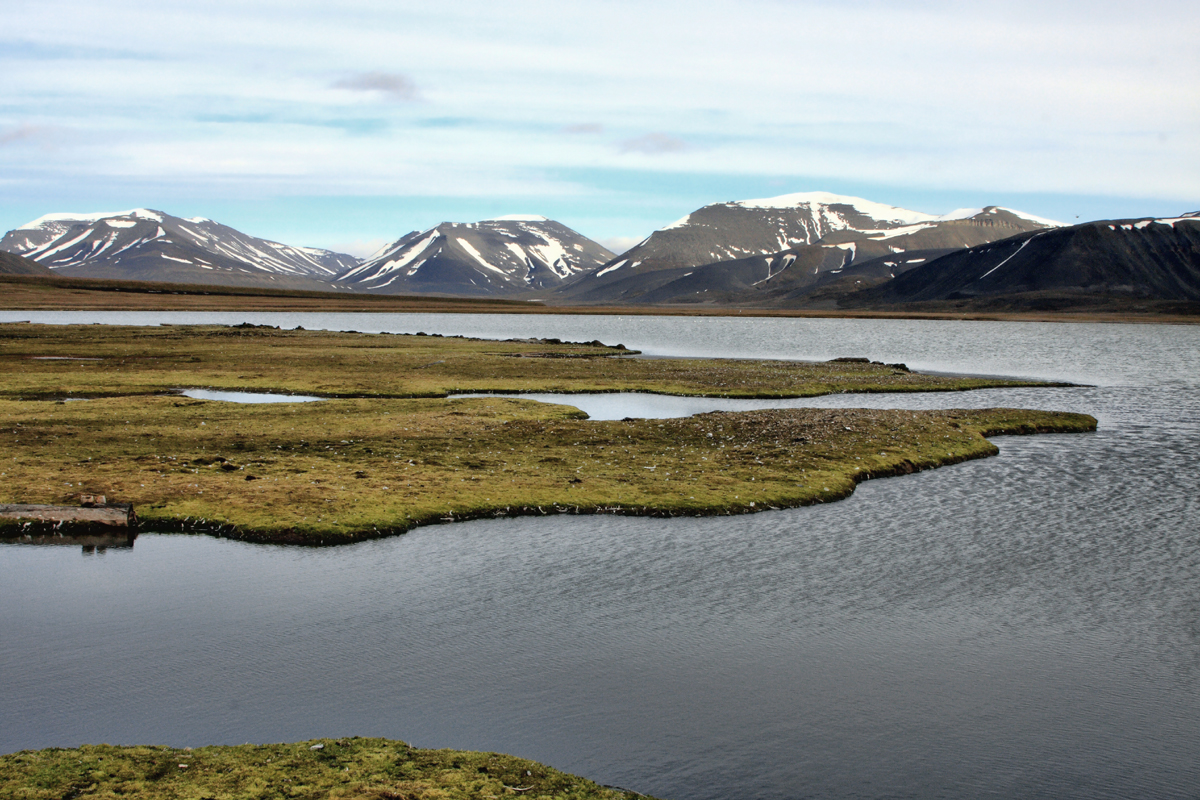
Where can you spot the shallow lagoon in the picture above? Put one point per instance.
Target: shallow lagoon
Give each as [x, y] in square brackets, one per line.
[1020, 626]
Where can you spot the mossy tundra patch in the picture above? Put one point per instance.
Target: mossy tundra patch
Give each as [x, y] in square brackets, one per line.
[346, 769]
[401, 455]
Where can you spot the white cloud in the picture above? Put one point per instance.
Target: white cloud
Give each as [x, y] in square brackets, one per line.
[619, 244]
[584, 127]
[654, 144]
[19, 134]
[390, 84]
[235, 97]
[359, 248]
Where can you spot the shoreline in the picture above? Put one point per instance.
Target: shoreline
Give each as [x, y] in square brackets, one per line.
[807, 457]
[350, 766]
[387, 452]
[24, 293]
[842, 492]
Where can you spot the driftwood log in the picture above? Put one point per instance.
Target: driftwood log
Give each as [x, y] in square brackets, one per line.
[97, 516]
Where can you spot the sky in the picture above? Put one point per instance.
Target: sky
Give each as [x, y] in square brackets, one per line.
[346, 125]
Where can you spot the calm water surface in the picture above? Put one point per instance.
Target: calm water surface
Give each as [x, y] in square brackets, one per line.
[1078, 352]
[1023, 626]
[248, 397]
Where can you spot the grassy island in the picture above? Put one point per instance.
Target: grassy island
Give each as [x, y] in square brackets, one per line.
[350, 769]
[388, 451]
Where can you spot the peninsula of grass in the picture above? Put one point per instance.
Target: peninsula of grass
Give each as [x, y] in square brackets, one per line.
[349, 769]
[357, 467]
[76, 361]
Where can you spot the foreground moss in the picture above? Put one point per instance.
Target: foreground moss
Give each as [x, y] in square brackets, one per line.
[347, 769]
[345, 470]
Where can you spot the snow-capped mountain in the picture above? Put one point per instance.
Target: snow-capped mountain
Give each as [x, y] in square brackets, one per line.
[1134, 259]
[505, 255]
[772, 233]
[149, 245]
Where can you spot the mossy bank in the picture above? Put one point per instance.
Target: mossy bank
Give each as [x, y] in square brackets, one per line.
[351, 468]
[342, 769]
[78, 361]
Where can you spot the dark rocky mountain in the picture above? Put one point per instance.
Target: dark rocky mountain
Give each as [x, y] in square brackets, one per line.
[1109, 260]
[153, 246]
[502, 256]
[776, 251]
[11, 264]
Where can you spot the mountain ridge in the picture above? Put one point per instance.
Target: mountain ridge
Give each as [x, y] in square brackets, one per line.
[144, 244]
[840, 252]
[1147, 258]
[501, 256]
[757, 242]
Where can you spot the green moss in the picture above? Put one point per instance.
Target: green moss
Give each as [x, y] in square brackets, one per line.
[353, 468]
[344, 470]
[50, 361]
[345, 769]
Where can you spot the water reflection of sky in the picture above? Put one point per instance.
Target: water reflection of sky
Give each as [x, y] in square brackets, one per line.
[247, 397]
[641, 405]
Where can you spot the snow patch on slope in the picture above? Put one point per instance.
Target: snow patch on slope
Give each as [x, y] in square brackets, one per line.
[1049, 223]
[410, 254]
[94, 216]
[617, 265]
[877, 211]
[679, 223]
[476, 255]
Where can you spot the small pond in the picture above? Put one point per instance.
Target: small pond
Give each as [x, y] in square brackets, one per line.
[248, 397]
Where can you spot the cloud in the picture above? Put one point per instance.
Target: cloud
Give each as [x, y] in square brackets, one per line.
[619, 244]
[23, 133]
[654, 144]
[978, 100]
[585, 127]
[359, 248]
[392, 84]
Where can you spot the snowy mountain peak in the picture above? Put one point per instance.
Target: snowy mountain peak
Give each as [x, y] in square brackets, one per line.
[879, 212]
[518, 218]
[776, 229]
[1048, 223]
[824, 200]
[503, 255]
[67, 219]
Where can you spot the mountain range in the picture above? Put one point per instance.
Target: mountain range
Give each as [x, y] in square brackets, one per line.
[753, 251]
[153, 246]
[1119, 261]
[803, 251]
